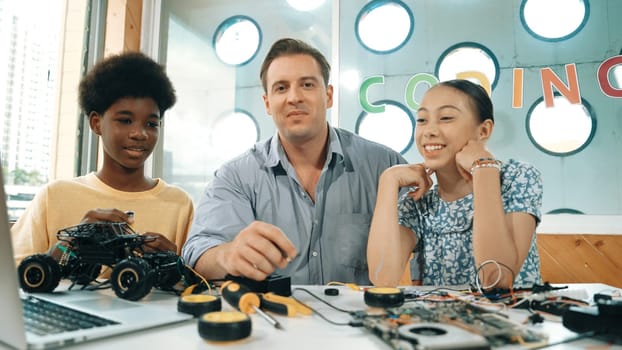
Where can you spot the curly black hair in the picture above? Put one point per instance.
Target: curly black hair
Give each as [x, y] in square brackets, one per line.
[129, 74]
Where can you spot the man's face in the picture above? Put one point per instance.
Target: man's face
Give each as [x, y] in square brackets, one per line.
[297, 98]
[129, 130]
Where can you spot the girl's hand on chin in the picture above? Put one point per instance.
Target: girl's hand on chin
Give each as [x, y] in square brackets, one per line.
[472, 151]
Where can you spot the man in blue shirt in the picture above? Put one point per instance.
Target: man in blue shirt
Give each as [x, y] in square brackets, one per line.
[300, 203]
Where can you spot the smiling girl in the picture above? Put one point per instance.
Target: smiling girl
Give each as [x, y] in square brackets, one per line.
[477, 223]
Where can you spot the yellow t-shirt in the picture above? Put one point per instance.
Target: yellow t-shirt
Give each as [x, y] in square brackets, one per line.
[164, 209]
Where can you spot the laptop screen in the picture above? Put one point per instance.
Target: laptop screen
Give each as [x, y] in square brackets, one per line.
[12, 331]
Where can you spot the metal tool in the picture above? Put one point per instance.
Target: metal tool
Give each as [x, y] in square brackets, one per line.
[246, 301]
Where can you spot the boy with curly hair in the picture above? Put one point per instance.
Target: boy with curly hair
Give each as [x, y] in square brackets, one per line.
[124, 98]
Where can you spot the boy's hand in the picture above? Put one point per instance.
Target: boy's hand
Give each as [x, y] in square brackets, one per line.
[110, 215]
[159, 244]
[257, 251]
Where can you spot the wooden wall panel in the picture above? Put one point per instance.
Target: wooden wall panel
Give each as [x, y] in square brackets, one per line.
[577, 258]
[123, 25]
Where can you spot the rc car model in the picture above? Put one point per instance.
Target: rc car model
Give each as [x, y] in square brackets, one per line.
[86, 248]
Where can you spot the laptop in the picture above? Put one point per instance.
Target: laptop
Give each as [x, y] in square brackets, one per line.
[117, 315]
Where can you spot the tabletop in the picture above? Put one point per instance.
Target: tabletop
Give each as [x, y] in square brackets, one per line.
[314, 332]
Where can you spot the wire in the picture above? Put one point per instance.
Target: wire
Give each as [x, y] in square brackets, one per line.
[196, 274]
[499, 274]
[349, 285]
[349, 323]
[322, 300]
[441, 291]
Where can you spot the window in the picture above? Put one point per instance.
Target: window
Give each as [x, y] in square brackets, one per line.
[395, 127]
[554, 20]
[467, 61]
[383, 26]
[29, 51]
[239, 123]
[561, 130]
[237, 40]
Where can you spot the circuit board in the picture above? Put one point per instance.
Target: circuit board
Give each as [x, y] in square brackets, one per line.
[450, 324]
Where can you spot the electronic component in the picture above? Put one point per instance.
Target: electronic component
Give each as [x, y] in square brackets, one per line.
[602, 319]
[331, 291]
[448, 325]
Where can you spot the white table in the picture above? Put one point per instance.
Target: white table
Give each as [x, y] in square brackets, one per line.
[306, 332]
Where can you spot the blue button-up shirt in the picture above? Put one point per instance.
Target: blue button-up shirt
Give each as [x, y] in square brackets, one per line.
[330, 234]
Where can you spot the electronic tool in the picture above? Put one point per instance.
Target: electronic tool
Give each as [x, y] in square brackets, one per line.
[240, 297]
[602, 319]
[281, 305]
[277, 284]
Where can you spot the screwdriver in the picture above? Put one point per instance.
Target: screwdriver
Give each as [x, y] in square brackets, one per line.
[243, 299]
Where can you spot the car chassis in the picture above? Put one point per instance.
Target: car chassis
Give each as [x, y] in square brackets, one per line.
[86, 248]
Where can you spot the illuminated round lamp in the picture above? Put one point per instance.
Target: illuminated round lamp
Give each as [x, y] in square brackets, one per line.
[554, 20]
[471, 59]
[237, 40]
[563, 129]
[305, 5]
[395, 127]
[384, 26]
[233, 133]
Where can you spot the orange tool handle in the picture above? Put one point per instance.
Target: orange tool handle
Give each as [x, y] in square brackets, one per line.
[283, 305]
[240, 297]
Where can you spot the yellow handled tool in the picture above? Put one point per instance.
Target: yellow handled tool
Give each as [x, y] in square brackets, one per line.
[283, 305]
[243, 299]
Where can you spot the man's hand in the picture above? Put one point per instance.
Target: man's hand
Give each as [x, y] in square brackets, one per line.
[257, 251]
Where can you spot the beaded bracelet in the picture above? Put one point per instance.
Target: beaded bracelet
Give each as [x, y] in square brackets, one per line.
[485, 163]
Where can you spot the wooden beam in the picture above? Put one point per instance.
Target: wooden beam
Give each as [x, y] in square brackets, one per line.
[123, 25]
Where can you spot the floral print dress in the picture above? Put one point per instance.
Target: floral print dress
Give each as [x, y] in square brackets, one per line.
[445, 229]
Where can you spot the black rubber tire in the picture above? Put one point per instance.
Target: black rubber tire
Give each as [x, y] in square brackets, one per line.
[222, 326]
[39, 273]
[198, 304]
[384, 297]
[131, 279]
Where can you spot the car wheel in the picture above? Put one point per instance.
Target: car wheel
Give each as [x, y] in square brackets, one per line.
[39, 273]
[131, 279]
